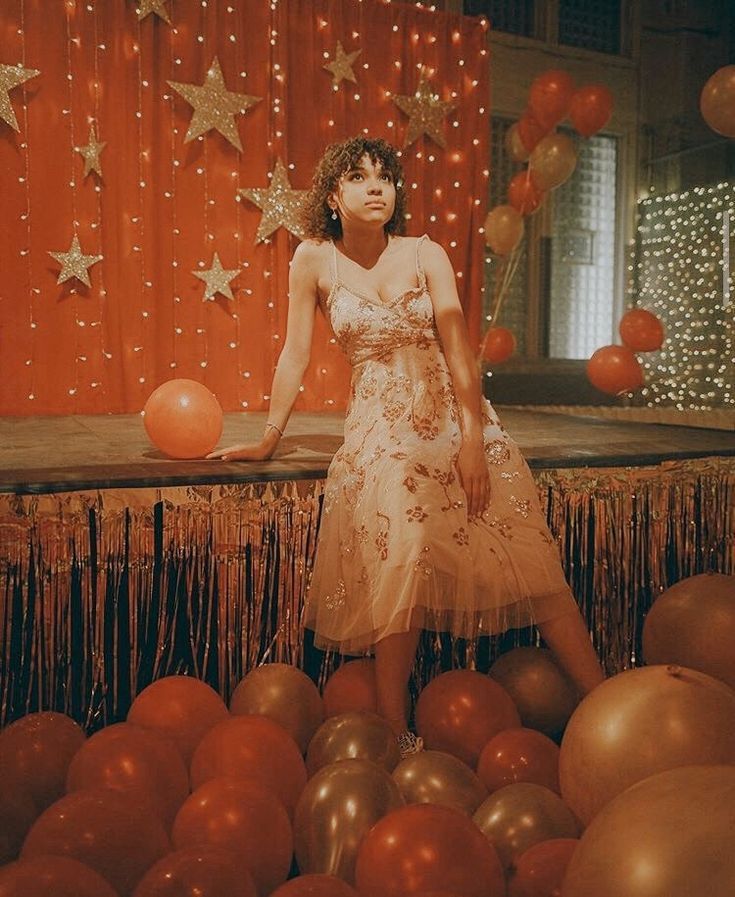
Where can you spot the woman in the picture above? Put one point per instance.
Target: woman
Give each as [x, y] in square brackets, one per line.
[430, 517]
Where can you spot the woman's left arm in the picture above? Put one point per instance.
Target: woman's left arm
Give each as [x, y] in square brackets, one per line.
[450, 323]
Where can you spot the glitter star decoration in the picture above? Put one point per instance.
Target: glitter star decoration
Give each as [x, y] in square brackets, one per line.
[425, 113]
[146, 7]
[217, 279]
[74, 263]
[11, 76]
[341, 65]
[215, 107]
[281, 204]
[91, 153]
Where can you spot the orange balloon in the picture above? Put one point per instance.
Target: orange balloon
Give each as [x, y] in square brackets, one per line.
[136, 761]
[519, 755]
[641, 722]
[17, 814]
[498, 345]
[201, 871]
[180, 707]
[183, 419]
[692, 624]
[590, 108]
[104, 829]
[351, 687]
[52, 876]
[253, 748]
[717, 101]
[242, 817]
[539, 871]
[423, 847]
[552, 161]
[514, 145]
[641, 331]
[614, 370]
[35, 752]
[503, 229]
[549, 96]
[284, 694]
[460, 711]
[315, 885]
[530, 131]
[523, 194]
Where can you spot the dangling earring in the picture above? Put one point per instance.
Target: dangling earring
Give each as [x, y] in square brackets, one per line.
[334, 215]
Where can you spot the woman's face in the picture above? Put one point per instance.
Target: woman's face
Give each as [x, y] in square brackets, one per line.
[365, 194]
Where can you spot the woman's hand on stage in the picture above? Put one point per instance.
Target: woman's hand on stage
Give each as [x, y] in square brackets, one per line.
[474, 476]
[246, 451]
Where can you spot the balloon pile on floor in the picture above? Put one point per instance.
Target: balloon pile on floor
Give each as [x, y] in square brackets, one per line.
[520, 791]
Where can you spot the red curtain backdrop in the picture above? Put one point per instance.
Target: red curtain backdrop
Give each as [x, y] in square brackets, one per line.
[163, 206]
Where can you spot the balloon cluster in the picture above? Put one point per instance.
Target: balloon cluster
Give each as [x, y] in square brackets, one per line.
[551, 158]
[615, 369]
[521, 790]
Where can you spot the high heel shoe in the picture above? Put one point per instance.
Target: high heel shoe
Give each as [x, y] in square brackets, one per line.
[409, 744]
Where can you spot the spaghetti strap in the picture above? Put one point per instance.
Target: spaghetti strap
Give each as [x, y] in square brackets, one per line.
[419, 266]
[334, 272]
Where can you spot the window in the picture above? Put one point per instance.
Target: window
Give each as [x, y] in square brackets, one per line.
[591, 24]
[513, 16]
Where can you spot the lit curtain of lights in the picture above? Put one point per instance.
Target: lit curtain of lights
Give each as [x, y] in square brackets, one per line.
[156, 208]
[684, 275]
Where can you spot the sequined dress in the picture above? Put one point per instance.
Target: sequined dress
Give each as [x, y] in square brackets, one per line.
[395, 546]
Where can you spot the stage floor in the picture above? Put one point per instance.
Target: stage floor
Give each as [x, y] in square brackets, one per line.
[60, 454]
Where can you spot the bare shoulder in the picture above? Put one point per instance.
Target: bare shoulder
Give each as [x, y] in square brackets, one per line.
[308, 258]
[433, 255]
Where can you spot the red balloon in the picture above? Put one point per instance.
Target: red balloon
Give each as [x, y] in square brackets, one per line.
[52, 876]
[423, 847]
[183, 419]
[523, 194]
[351, 687]
[201, 871]
[641, 330]
[17, 814]
[519, 755]
[590, 108]
[717, 101]
[530, 131]
[180, 707]
[460, 711]
[614, 370]
[315, 885]
[137, 761]
[498, 345]
[539, 871]
[108, 831]
[243, 817]
[253, 748]
[35, 752]
[549, 97]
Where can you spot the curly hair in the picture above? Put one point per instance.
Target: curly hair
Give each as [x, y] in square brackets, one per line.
[338, 159]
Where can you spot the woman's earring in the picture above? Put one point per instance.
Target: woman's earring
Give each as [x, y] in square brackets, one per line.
[334, 215]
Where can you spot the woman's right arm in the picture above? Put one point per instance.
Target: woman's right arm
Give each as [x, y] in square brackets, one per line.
[293, 361]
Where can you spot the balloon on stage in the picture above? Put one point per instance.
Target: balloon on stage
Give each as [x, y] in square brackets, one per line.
[204, 871]
[717, 101]
[434, 777]
[639, 723]
[641, 330]
[614, 370]
[52, 876]
[539, 871]
[183, 419]
[17, 815]
[519, 755]
[315, 885]
[359, 735]
[692, 624]
[351, 687]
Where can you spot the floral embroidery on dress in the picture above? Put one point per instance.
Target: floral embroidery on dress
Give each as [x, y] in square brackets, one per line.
[381, 540]
[422, 563]
[416, 513]
[521, 505]
[410, 484]
[461, 536]
[338, 596]
[497, 451]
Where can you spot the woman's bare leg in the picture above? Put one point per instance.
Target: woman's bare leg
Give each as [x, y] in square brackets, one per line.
[394, 659]
[569, 640]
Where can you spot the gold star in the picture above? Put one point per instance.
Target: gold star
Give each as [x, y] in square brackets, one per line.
[214, 105]
[74, 263]
[11, 76]
[217, 279]
[281, 204]
[425, 113]
[341, 65]
[91, 153]
[148, 6]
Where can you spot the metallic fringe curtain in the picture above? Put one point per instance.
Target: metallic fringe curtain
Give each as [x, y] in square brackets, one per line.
[103, 592]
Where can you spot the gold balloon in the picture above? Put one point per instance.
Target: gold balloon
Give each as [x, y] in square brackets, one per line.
[514, 145]
[717, 101]
[284, 694]
[503, 229]
[433, 777]
[544, 695]
[357, 735]
[692, 624]
[639, 723]
[518, 816]
[339, 805]
[671, 834]
[552, 161]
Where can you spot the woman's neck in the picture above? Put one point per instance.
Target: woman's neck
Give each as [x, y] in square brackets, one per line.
[364, 246]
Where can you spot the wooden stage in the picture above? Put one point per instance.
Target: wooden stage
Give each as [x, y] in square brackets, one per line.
[59, 454]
